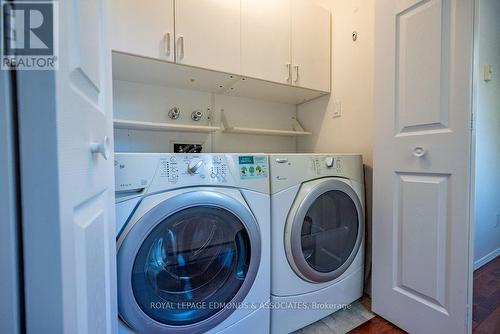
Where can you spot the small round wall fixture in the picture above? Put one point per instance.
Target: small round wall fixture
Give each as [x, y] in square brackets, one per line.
[174, 113]
[354, 36]
[197, 115]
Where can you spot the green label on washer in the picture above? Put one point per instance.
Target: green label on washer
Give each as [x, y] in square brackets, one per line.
[252, 167]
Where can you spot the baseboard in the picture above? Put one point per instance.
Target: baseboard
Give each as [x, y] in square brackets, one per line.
[487, 258]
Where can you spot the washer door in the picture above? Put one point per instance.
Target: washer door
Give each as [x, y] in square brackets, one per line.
[185, 264]
[324, 230]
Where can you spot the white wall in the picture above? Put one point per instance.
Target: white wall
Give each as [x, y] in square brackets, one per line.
[487, 196]
[352, 86]
[135, 101]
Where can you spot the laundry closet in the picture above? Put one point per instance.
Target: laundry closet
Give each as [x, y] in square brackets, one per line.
[249, 77]
[214, 166]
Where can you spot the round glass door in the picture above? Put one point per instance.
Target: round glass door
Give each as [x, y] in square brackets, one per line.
[184, 268]
[326, 232]
[190, 265]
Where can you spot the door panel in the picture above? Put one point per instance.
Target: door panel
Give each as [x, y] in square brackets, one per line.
[423, 75]
[68, 188]
[145, 29]
[87, 39]
[422, 47]
[265, 39]
[311, 46]
[90, 245]
[422, 214]
[207, 34]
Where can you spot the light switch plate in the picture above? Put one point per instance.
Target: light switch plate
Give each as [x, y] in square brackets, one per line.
[337, 109]
[487, 71]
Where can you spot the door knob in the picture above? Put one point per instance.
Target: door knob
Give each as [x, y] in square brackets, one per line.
[419, 151]
[103, 148]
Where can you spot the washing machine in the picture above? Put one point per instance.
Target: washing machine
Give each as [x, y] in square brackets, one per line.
[193, 243]
[317, 231]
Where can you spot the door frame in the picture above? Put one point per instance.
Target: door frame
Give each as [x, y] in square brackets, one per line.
[11, 254]
[40, 198]
[472, 170]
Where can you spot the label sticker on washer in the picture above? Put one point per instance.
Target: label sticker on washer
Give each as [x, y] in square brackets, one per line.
[252, 167]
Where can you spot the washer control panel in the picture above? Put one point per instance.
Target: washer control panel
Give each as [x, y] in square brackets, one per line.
[188, 167]
[152, 172]
[252, 167]
[169, 169]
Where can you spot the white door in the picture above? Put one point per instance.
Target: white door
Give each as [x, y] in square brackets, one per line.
[143, 28]
[310, 45]
[207, 34]
[265, 40]
[422, 163]
[68, 191]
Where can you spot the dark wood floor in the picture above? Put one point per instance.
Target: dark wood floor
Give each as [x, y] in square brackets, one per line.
[486, 299]
[486, 306]
[377, 325]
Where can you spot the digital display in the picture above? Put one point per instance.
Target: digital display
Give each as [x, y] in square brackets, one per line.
[246, 160]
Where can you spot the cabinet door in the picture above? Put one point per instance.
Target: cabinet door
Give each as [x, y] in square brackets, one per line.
[265, 39]
[310, 45]
[143, 28]
[208, 34]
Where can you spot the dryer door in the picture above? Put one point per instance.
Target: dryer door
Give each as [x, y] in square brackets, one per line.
[184, 261]
[324, 230]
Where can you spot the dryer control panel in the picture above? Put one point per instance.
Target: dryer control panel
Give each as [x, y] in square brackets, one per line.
[327, 165]
[288, 170]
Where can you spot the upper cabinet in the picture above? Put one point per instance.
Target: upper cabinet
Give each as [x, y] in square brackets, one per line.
[310, 46]
[286, 41]
[145, 30]
[265, 40]
[208, 34]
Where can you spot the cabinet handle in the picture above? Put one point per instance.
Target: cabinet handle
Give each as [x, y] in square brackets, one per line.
[289, 72]
[166, 43]
[180, 47]
[296, 68]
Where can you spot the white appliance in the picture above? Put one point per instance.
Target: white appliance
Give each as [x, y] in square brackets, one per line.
[193, 243]
[317, 230]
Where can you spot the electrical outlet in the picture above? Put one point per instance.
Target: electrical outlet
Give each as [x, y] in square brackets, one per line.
[337, 109]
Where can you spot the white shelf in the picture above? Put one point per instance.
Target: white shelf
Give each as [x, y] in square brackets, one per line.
[155, 126]
[139, 69]
[268, 132]
[297, 129]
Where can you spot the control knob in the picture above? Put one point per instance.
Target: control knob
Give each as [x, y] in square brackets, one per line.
[194, 166]
[329, 162]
